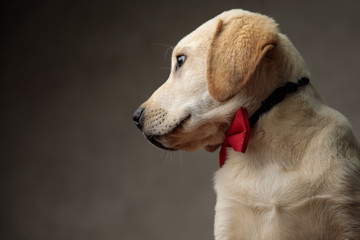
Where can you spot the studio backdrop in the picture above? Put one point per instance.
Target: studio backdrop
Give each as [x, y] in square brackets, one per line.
[73, 164]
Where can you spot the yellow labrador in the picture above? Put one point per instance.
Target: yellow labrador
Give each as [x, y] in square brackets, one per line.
[300, 175]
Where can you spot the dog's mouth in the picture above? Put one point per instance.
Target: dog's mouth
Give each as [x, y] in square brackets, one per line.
[153, 138]
[158, 144]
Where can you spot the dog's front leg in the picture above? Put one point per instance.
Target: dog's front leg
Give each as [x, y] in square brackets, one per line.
[229, 223]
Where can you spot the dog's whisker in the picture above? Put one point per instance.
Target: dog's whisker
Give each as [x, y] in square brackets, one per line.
[164, 45]
[165, 156]
[181, 158]
[167, 50]
[169, 157]
[165, 68]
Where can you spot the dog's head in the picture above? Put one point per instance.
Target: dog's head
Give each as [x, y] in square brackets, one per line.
[228, 62]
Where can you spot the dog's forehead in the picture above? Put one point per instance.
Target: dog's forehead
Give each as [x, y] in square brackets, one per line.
[202, 35]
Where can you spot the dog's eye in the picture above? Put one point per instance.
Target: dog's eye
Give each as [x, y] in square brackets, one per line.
[180, 59]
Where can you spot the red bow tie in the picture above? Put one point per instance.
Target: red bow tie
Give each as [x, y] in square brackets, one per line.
[237, 136]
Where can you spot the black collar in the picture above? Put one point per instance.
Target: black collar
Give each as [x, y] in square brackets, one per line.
[277, 96]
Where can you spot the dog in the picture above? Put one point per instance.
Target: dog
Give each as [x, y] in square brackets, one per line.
[297, 175]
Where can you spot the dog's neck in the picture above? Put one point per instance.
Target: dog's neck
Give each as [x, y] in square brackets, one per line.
[276, 97]
[239, 132]
[278, 132]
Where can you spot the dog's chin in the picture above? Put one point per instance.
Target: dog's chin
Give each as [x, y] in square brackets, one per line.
[212, 148]
[153, 140]
[189, 138]
[168, 142]
[161, 141]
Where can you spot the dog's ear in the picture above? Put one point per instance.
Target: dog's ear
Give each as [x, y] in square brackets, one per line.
[236, 49]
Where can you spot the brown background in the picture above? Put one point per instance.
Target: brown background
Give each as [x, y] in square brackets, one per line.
[73, 165]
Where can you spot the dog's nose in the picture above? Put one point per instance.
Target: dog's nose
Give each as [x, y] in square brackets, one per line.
[137, 117]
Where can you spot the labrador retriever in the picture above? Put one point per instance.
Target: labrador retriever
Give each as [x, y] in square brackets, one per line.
[296, 171]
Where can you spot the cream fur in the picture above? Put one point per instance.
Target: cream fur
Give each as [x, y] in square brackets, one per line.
[300, 175]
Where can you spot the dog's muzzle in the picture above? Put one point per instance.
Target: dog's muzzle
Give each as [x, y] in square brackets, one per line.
[138, 118]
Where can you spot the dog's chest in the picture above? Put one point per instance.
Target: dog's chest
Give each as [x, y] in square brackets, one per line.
[263, 201]
[261, 183]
